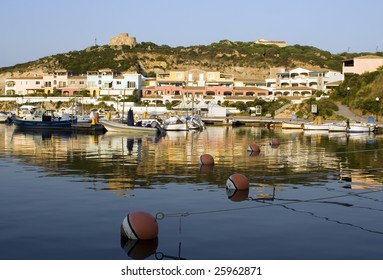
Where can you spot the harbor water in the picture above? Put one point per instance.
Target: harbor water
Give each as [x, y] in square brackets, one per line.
[63, 196]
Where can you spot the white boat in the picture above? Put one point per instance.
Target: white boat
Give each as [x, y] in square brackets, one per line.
[176, 124]
[112, 126]
[3, 117]
[337, 127]
[313, 126]
[359, 128]
[292, 125]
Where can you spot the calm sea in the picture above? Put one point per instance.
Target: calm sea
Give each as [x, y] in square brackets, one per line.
[315, 196]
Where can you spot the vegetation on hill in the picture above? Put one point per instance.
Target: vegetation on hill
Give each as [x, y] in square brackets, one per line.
[360, 92]
[148, 58]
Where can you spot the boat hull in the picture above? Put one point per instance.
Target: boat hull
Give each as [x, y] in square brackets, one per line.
[290, 125]
[124, 128]
[42, 124]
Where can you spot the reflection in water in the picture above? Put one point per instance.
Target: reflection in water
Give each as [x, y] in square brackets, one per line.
[297, 193]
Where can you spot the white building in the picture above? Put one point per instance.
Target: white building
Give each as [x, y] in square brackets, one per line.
[301, 82]
[106, 82]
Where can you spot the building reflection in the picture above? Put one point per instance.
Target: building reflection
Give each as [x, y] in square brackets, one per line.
[125, 163]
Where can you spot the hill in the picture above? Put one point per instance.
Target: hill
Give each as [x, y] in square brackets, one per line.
[246, 60]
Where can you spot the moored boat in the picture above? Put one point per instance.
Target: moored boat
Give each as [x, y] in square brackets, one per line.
[312, 126]
[337, 127]
[3, 117]
[292, 125]
[359, 128]
[112, 126]
[43, 119]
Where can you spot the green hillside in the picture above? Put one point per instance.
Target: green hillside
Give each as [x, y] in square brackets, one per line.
[149, 58]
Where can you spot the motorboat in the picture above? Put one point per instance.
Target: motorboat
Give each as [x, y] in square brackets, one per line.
[337, 127]
[112, 126]
[44, 119]
[360, 128]
[3, 117]
[292, 125]
[313, 126]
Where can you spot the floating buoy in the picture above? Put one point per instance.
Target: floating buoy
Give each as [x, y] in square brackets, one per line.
[237, 181]
[237, 195]
[253, 148]
[139, 249]
[139, 225]
[274, 143]
[206, 159]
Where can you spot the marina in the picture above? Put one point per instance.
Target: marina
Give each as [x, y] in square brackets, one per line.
[312, 196]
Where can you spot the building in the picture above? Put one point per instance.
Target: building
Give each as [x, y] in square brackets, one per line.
[359, 65]
[63, 81]
[301, 82]
[280, 44]
[106, 82]
[24, 85]
[198, 88]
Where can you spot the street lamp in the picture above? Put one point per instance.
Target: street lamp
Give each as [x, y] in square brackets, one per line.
[377, 107]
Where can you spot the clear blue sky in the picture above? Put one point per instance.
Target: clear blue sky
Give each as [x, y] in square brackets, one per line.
[32, 29]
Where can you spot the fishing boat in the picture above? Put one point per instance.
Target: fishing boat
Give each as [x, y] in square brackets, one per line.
[43, 119]
[337, 127]
[312, 126]
[292, 125]
[359, 128]
[112, 126]
[3, 117]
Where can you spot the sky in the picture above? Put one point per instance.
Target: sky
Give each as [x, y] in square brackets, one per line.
[33, 29]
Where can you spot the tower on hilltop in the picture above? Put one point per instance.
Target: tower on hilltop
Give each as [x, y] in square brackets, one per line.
[123, 39]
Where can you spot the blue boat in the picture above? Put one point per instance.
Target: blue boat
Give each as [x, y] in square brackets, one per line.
[44, 119]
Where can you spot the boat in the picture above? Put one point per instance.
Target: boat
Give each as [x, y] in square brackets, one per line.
[292, 125]
[318, 124]
[337, 127]
[3, 117]
[43, 119]
[112, 126]
[359, 128]
[176, 124]
[313, 126]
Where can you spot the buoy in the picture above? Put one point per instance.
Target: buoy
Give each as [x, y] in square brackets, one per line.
[253, 148]
[274, 143]
[206, 159]
[139, 249]
[237, 181]
[139, 225]
[237, 195]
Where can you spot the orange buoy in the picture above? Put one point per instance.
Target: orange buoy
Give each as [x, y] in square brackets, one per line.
[139, 225]
[206, 159]
[237, 195]
[237, 181]
[139, 249]
[253, 148]
[274, 143]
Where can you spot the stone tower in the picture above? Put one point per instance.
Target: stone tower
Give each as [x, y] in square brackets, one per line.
[123, 39]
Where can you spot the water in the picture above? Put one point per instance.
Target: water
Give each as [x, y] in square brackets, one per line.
[64, 196]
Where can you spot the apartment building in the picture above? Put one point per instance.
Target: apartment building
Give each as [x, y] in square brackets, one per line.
[98, 83]
[301, 82]
[24, 85]
[199, 87]
[108, 82]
